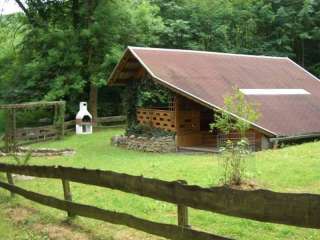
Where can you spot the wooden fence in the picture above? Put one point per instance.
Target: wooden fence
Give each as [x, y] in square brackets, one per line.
[36, 133]
[302, 210]
[69, 127]
[111, 119]
[13, 135]
[24, 136]
[103, 121]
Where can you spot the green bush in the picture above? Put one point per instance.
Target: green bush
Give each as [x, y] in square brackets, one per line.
[34, 117]
[234, 154]
[29, 118]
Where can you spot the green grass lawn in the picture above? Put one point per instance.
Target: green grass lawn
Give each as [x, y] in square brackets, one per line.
[293, 169]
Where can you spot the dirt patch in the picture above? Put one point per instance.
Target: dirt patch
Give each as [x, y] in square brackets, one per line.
[67, 230]
[20, 214]
[128, 234]
[22, 177]
[59, 232]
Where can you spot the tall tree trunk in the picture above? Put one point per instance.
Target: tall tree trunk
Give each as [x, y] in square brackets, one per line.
[93, 101]
[76, 14]
[93, 95]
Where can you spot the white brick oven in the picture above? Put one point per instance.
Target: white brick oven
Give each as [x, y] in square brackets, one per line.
[83, 120]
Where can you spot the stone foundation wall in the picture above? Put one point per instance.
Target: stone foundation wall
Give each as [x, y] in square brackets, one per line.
[145, 144]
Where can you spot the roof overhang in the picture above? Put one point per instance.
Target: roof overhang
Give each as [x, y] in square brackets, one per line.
[126, 68]
[295, 137]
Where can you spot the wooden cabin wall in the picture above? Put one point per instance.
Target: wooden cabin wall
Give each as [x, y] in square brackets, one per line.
[189, 132]
[187, 122]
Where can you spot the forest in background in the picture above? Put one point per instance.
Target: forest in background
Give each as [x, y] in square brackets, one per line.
[67, 49]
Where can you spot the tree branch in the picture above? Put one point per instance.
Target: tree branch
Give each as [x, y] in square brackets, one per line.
[22, 7]
[26, 12]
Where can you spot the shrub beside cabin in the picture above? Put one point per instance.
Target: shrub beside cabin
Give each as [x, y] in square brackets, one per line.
[288, 96]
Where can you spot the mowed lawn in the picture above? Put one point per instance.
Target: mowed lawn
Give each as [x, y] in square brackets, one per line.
[292, 169]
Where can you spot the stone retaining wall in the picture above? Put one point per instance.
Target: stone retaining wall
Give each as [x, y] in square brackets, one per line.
[145, 144]
[40, 152]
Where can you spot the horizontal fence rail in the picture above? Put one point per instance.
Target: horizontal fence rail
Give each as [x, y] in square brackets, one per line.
[159, 229]
[105, 122]
[296, 209]
[111, 119]
[69, 126]
[36, 133]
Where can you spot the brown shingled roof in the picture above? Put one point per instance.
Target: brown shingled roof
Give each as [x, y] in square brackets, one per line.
[207, 77]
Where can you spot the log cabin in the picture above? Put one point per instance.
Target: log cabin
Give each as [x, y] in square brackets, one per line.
[288, 96]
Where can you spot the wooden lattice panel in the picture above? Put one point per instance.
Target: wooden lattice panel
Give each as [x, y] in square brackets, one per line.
[163, 119]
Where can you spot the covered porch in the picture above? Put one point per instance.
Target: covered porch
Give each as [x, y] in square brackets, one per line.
[191, 123]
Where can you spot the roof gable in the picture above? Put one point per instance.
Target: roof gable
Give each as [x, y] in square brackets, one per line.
[207, 77]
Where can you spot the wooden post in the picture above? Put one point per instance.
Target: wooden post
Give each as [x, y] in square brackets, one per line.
[62, 112]
[10, 181]
[13, 133]
[183, 213]
[183, 216]
[67, 193]
[10, 132]
[56, 119]
[55, 114]
[59, 111]
[177, 120]
[7, 131]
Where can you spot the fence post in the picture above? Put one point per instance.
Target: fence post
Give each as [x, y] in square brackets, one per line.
[183, 212]
[67, 194]
[62, 109]
[10, 181]
[8, 131]
[183, 216]
[14, 130]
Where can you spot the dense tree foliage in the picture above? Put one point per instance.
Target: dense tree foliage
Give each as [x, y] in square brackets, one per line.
[70, 47]
[67, 49]
[279, 27]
